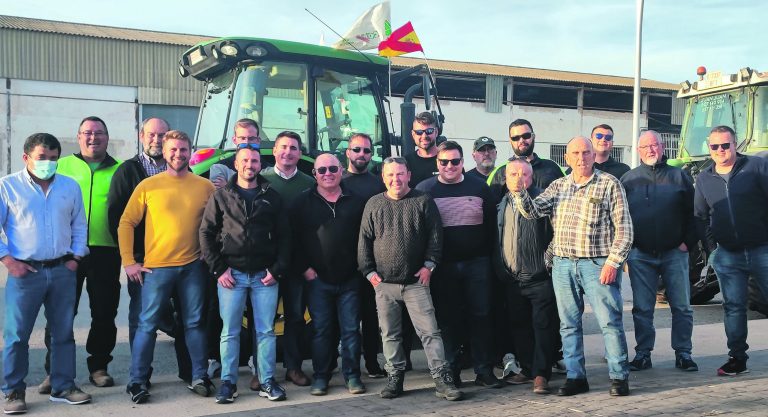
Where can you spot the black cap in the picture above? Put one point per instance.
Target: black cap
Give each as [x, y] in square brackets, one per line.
[483, 141]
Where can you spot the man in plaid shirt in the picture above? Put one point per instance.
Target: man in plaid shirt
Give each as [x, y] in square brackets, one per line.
[593, 235]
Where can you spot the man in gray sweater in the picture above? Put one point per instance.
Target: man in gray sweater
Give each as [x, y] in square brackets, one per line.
[401, 240]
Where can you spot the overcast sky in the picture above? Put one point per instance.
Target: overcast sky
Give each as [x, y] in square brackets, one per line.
[596, 36]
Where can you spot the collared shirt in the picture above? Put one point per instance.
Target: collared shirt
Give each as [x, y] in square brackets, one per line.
[284, 175]
[151, 167]
[42, 226]
[590, 219]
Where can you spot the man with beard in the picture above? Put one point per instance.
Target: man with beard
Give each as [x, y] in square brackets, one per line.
[245, 239]
[246, 131]
[359, 180]
[423, 162]
[128, 175]
[522, 139]
[172, 204]
[484, 154]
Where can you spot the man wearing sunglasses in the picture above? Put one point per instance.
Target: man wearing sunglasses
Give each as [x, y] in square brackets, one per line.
[360, 181]
[462, 283]
[423, 162]
[731, 208]
[660, 200]
[602, 141]
[325, 220]
[246, 131]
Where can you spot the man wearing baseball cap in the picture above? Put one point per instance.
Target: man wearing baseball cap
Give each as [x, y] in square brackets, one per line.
[484, 154]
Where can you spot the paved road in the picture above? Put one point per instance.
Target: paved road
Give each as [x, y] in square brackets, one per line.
[662, 390]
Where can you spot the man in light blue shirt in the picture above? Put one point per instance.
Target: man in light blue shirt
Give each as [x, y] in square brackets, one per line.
[43, 218]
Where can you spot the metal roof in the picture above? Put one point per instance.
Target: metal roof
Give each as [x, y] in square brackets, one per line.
[458, 67]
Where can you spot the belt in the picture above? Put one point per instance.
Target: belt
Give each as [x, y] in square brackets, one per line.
[48, 263]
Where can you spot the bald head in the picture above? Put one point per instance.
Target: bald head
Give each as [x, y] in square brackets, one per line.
[576, 140]
[580, 156]
[328, 172]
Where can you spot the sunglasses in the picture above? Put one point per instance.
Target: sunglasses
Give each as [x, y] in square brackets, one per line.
[454, 162]
[358, 150]
[603, 136]
[725, 146]
[526, 136]
[252, 146]
[322, 170]
[429, 131]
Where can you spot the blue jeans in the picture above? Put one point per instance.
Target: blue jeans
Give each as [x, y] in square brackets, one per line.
[733, 269]
[53, 288]
[330, 304]
[189, 282]
[572, 279]
[231, 305]
[644, 272]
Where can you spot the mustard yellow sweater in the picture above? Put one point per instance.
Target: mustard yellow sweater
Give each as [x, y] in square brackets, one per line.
[172, 208]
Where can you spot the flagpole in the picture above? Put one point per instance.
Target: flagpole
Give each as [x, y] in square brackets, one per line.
[637, 97]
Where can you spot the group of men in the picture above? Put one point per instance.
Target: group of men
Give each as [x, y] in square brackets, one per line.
[425, 241]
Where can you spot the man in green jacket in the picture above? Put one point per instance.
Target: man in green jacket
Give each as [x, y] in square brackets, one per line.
[93, 168]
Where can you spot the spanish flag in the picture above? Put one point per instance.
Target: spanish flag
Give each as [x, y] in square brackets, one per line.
[401, 41]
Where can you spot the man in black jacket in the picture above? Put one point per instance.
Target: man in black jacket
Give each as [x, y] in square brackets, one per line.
[519, 260]
[245, 240]
[325, 220]
[128, 175]
[401, 238]
[660, 199]
[602, 140]
[731, 209]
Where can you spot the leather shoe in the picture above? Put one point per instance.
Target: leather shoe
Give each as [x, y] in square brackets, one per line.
[255, 385]
[573, 387]
[619, 388]
[541, 386]
[45, 386]
[297, 377]
[101, 378]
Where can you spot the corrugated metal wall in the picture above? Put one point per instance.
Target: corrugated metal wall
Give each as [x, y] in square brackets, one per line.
[151, 67]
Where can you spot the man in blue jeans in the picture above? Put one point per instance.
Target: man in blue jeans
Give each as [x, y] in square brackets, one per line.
[171, 206]
[325, 221]
[660, 200]
[593, 235]
[43, 218]
[245, 239]
[731, 209]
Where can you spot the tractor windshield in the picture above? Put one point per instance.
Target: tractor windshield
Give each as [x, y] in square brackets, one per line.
[706, 112]
[760, 132]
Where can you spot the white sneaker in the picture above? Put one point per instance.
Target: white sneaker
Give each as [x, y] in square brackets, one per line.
[214, 367]
[511, 366]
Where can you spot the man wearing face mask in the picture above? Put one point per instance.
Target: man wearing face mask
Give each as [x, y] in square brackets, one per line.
[43, 218]
[93, 169]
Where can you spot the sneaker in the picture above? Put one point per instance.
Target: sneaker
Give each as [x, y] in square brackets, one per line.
[446, 388]
[319, 387]
[376, 372]
[511, 367]
[272, 391]
[573, 387]
[214, 368]
[518, 379]
[394, 387]
[355, 386]
[619, 388]
[45, 386]
[101, 379]
[686, 363]
[733, 367]
[202, 387]
[138, 394]
[559, 368]
[227, 393]
[488, 380]
[15, 403]
[641, 362]
[71, 396]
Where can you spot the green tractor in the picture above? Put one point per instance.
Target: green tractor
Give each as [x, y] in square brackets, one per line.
[737, 100]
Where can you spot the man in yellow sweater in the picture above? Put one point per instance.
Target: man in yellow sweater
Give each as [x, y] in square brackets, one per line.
[171, 205]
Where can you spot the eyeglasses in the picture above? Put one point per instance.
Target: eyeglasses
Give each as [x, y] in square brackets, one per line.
[95, 134]
[526, 136]
[322, 170]
[654, 146]
[251, 146]
[454, 162]
[248, 138]
[725, 146]
[429, 131]
[603, 136]
[358, 150]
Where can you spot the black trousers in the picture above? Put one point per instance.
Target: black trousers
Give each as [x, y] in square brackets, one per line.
[370, 326]
[534, 326]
